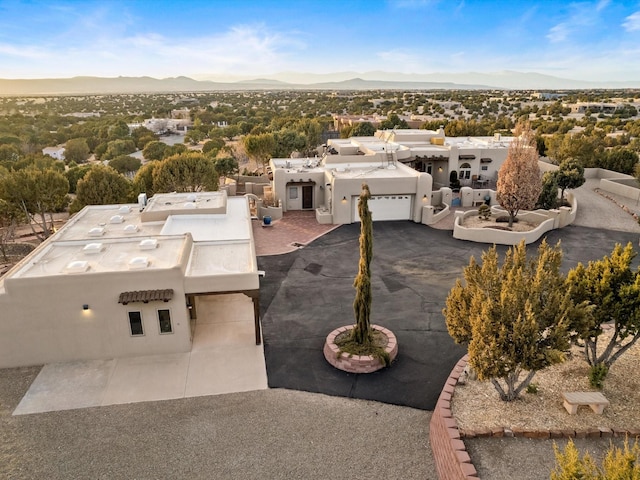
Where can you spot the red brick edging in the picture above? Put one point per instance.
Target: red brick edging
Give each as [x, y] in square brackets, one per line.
[358, 363]
[449, 451]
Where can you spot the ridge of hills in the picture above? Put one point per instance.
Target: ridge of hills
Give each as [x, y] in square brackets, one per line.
[504, 80]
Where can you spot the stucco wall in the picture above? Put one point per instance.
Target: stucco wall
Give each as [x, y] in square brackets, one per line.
[43, 320]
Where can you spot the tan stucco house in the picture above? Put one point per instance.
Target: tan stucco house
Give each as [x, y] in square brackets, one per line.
[402, 168]
[125, 280]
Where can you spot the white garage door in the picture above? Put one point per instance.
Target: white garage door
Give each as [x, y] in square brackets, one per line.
[386, 207]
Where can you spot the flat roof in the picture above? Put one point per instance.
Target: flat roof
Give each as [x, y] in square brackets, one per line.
[113, 238]
[109, 255]
[370, 170]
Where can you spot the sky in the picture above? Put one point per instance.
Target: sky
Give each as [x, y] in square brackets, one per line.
[595, 40]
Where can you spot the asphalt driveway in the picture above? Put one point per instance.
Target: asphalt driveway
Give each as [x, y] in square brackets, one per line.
[309, 292]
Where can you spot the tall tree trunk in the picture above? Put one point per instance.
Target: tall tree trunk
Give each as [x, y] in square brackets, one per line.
[362, 283]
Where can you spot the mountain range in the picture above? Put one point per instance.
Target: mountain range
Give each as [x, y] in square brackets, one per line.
[377, 80]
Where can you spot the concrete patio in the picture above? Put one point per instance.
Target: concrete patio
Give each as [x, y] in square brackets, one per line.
[223, 359]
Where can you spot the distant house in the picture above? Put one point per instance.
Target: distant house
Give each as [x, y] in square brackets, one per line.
[404, 168]
[54, 152]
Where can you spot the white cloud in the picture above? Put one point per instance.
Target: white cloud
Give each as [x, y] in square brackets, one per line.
[632, 22]
[559, 32]
[241, 49]
[582, 14]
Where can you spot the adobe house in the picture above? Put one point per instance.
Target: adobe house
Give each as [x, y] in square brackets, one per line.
[402, 168]
[125, 280]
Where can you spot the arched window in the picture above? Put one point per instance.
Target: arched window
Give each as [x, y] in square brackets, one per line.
[465, 171]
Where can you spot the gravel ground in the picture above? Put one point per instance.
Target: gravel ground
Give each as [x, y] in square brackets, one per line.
[268, 434]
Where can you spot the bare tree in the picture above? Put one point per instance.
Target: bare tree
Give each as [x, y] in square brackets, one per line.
[519, 181]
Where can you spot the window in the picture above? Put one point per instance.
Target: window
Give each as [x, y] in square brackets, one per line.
[484, 168]
[135, 323]
[293, 193]
[164, 320]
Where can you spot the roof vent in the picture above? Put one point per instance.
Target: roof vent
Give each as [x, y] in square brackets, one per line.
[124, 209]
[92, 248]
[96, 232]
[189, 205]
[77, 266]
[191, 197]
[138, 263]
[131, 228]
[116, 219]
[148, 244]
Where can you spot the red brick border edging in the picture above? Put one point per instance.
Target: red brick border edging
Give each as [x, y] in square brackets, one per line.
[449, 451]
[358, 363]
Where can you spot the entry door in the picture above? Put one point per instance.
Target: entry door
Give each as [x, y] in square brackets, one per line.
[307, 197]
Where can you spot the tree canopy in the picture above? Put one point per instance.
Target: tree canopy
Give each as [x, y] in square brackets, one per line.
[519, 183]
[514, 318]
[102, 185]
[612, 289]
[185, 172]
[570, 175]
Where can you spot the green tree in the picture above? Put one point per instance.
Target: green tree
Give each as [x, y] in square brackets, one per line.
[143, 181]
[76, 150]
[393, 121]
[154, 150]
[141, 136]
[74, 174]
[570, 175]
[514, 318]
[194, 137]
[9, 153]
[125, 164]
[612, 290]
[36, 192]
[363, 129]
[215, 144]
[519, 184]
[287, 141]
[620, 159]
[102, 185]
[185, 172]
[226, 166]
[9, 217]
[116, 148]
[548, 198]
[260, 148]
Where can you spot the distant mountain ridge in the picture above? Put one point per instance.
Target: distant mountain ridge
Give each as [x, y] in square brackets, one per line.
[300, 81]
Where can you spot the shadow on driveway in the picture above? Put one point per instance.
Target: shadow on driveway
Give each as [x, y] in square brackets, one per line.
[308, 293]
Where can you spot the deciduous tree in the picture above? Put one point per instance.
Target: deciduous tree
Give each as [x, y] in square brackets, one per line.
[519, 184]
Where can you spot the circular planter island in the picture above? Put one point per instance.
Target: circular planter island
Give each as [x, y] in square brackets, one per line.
[359, 363]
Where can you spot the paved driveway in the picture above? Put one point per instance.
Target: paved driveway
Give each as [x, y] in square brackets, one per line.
[308, 293]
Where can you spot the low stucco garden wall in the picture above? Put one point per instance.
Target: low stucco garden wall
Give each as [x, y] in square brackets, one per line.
[546, 219]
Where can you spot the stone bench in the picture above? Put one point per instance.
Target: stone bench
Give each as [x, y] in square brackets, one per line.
[596, 400]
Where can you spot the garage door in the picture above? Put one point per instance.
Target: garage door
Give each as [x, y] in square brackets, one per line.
[386, 207]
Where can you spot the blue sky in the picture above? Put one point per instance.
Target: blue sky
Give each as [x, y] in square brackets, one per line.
[588, 40]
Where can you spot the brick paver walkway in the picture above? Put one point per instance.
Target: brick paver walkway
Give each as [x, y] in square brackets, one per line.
[295, 229]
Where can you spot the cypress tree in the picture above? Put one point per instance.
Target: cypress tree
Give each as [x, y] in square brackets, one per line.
[361, 333]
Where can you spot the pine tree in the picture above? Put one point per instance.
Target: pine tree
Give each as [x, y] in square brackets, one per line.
[612, 289]
[514, 317]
